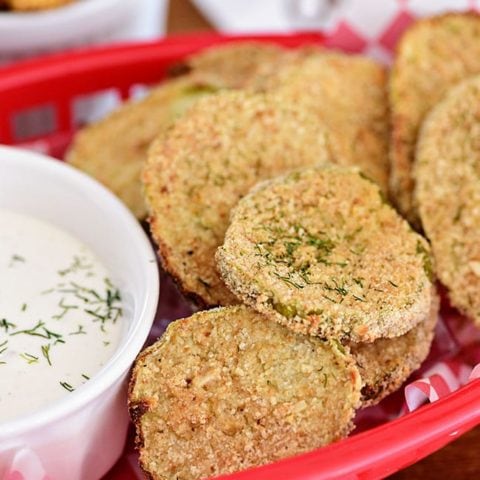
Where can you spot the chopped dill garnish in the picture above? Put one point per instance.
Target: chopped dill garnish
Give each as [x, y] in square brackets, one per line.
[67, 386]
[427, 261]
[56, 336]
[331, 299]
[80, 331]
[349, 237]
[289, 281]
[204, 282]
[3, 346]
[24, 307]
[103, 307]
[86, 377]
[6, 325]
[39, 330]
[14, 259]
[458, 214]
[96, 314]
[339, 346]
[359, 299]
[46, 292]
[34, 331]
[340, 289]
[65, 308]
[78, 263]
[29, 358]
[359, 281]
[46, 353]
[392, 284]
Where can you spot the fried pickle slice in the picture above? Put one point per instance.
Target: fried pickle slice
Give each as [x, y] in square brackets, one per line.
[226, 389]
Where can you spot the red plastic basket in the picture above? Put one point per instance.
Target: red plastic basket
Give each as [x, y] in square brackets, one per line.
[56, 82]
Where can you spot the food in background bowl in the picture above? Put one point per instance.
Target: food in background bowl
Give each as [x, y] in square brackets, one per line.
[27, 5]
[25, 33]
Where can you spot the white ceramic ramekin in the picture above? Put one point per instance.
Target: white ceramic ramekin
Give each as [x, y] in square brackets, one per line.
[81, 436]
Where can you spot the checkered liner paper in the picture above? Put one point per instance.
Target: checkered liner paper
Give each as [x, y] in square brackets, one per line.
[372, 28]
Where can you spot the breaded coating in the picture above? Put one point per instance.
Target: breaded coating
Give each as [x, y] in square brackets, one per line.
[387, 363]
[448, 192]
[113, 150]
[433, 55]
[35, 4]
[227, 389]
[211, 157]
[348, 95]
[319, 250]
[235, 65]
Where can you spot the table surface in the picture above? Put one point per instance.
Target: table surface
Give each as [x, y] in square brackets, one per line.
[458, 460]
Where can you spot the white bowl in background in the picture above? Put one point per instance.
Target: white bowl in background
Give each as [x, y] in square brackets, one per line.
[80, 436]
[78, 23]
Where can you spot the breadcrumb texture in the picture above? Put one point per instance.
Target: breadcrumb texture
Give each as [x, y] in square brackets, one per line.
[212, 156]
[433, 55]
[448, 192]
[319, 250]
[236, 64]
[388, 362]
[227, 389]
[26, 5]
[114, 149]
[348, 95]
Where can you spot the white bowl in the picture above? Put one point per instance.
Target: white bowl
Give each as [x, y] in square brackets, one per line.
[80, 436]
[81, 22]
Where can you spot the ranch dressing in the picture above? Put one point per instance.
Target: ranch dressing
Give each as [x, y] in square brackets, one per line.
[60, 314]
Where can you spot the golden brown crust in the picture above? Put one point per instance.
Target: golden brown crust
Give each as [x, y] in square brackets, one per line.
[207, 161]
[227, 389]
[234, 65]
[24, 5]
[386, 363]
[318, 250]
[348, 95]
[113, 150]
[448, 192]
[432, 56]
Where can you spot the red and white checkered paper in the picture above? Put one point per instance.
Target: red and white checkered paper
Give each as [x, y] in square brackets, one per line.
[373, 27]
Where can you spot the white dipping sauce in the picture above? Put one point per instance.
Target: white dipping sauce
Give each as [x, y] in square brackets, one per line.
[60, 315]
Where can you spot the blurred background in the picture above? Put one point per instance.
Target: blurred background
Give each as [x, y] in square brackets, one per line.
[370, 26]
